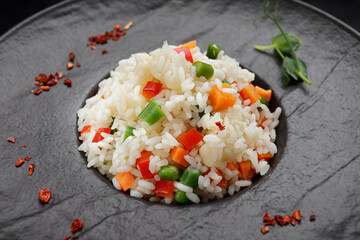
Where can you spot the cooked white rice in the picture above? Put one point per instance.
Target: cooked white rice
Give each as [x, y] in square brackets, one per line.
[183, 98]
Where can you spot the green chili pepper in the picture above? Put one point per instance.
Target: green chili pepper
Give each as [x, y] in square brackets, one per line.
[169, 172]
[264, 101]
[189, 178]
[180, 197]
[151, 113]
[203, 69]
[128, 132]
[213, 51]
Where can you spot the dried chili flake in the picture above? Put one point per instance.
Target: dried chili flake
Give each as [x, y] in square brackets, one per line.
[76, 225]
[266, 217]
[37, 83]
[312, 218]
[78, 64]
[38, 91]
[221, 127]
[11, 139]
[93, 46]
[59, 75]
[24, 146]
[297, 215]
[279, 219]
[104, 52]
[45, 88]
[265, 229]
[68, 82]
[27, 158]
[69, 65]
[117, 27]
[31, 169]
[44, 195]
[71, 56]
[293, 221]
[286, 220]
[52, 82]
[19, 162]
[32, 91]
[128, 26]
[66, 238]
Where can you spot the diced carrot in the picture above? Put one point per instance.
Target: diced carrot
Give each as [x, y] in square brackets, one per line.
[249, 92]
[191, 138]
[221, 100]
[125, 179]
[264, 93]
[178, 154]
[86, 129]
[265, 156]
[190, 44]
[246, 171]
[232, 167]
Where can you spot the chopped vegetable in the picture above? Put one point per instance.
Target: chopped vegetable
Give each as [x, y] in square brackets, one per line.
[178, 154]
[125, 179]
[151, 89]
[98, 137]
[203, 69]
[169, 172]
[86, 129]
[232, 167]
[264, 101]
[190, 178]
[265, 156]
[220, 100]
[249, 92]
[247, 172]
[191, 138]
[143, 164]
[222, 182]
[213, 51]
[164, 188]
[128, 132]
[151, 113]
[264, 93]
[180, 197]
[187, 52]
[190, 44]
[225, 81]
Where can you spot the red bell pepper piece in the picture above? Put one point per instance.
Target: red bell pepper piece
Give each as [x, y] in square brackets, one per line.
[191, 138]
[86, 129]
[187, 52]
[164, 188]
[151, 89]
[143, 166]
[98, 137]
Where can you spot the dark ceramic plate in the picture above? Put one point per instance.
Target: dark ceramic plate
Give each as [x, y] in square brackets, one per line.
[317, 167]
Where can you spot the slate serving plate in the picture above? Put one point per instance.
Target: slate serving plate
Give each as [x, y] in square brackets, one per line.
[316, 170]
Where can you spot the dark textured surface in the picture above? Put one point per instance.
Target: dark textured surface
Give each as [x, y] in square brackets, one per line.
[318, 170]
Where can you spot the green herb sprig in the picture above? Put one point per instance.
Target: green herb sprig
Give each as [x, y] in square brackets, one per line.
[285, 45]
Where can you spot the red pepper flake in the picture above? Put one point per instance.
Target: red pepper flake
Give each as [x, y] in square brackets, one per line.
[69, 65]
[265, 230]
[31, 169]
[32, 91]
[11, 139]
[279, 219]
[297, 215]
[78, 64]
[128, 26]
[38, 91]
[45, 88]
[93, 46]
[19, 162]
[312, 218]
[266, 217]
[71, 56]
[76, 225]
[287, 220]
[104, 52]
[27, 158]
[293, 221]
[66, 238]
[52, 82]
[37, 83]
[59, 75]
[117, 27]
[44, 195]
[68, 82]
[221, 127]
[24, 146]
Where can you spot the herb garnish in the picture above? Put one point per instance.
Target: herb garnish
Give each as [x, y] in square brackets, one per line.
[285, 45]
